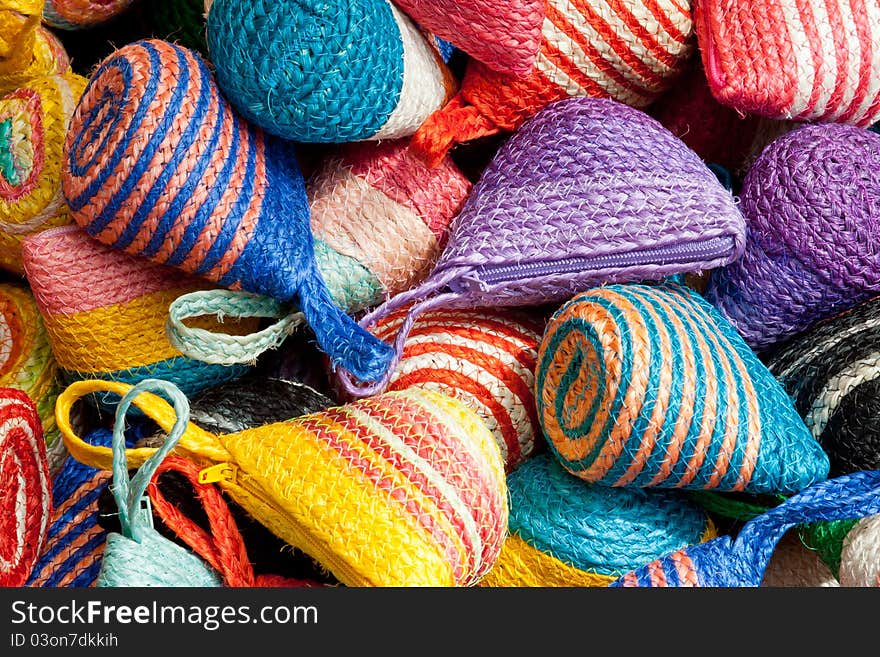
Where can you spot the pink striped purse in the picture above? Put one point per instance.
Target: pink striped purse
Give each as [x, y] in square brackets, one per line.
[805, 60]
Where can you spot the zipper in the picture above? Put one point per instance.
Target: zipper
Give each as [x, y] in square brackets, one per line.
[482, 277]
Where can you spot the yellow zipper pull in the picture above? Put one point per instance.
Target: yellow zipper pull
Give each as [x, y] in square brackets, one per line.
[227, 472]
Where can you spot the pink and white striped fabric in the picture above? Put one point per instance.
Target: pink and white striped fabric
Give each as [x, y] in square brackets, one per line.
[805, 60]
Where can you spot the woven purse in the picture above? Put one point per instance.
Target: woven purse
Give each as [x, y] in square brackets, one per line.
[629, 52]
[428, 506]
[811, 201]
[566, 532]
[741, 562]
[25, 487]
[588, 191]
[860, 559]
[793, 59]
[105, 312]
[328, 71]
[643, 385]
[832, 372]
[199, 189]
[82, 14]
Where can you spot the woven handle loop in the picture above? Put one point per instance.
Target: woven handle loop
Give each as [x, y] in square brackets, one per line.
[222, 348]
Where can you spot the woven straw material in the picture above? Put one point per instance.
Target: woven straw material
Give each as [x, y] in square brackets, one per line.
[742, 562]
[648, 386]
[328, 71]
[33, 57]
[33, 123]
[157, 164]
[793, 59]
[860, 559]
[832, 372]
[82, 14]
[505, 36]
[588, 191]
[793, 565]
[483, 357]
[105, 312]
[565, 532]
[811, 201]
[181, 21]
[826, 538]
[380, 219]
[403, 489]
[25, 487]
[628, 51]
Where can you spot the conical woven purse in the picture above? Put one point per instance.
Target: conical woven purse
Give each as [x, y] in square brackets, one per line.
[25, 487]
[811, 201]
[428, 506]
[790, 59]
[566, 532]
[328, 71]
[860, 559]
[588, 191]
[629, 53]
[158, 165]
[82, 14]
[741, 562]
[648, 386]
[832, 372]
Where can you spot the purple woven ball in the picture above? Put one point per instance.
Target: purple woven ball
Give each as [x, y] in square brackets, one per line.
[812, 203]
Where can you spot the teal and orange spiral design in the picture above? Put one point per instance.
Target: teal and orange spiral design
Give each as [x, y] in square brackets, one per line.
[648, 386]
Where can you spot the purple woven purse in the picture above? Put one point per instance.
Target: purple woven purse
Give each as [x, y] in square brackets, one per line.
[588, 191]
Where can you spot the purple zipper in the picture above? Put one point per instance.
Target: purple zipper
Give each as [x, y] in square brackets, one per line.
[482, 277]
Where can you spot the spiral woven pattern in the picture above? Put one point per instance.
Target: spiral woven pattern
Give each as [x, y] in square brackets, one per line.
[25, 487]
[595, 531]
[790, 59]
[105, 312]
[629, 52]
[811, 201]
[326, 71]
[648, 386]
[860, 559]
[157, 164]
[483, 357]
[33, 123]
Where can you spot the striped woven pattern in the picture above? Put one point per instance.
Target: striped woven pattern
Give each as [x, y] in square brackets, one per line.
[814, 60]
[25, 488]
[860, 558]
[33, 123]
[626, 51]
[105, 312]
[505, 36]
[81, 14]
[483, 357]
[811, 201]
[380, 218]
[832, 372]
[648, 386]
[566, 532]
[328, 71]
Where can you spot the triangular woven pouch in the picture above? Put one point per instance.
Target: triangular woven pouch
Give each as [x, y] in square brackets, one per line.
[811, 201]
[642, 385]
[566, 532]
[588, 191]
[82, 14]
[741, 562]
[793, 59]
[626, 51]
[505, 36]
[157, 164]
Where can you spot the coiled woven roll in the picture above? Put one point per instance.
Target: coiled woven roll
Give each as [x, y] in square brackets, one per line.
[181, 21]
[105, 312]
[832, 372]
[860, 559]
[566, 532]
[82, 14]
[648, 386]
[811, 201]
[326, 71]
[483, 357]
[793, 565]
[793, 59]
[25, 487]
[630, 54]
[157, 164]
[504, 36]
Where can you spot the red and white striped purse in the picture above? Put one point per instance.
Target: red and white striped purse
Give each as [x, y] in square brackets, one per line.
[806, 60]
